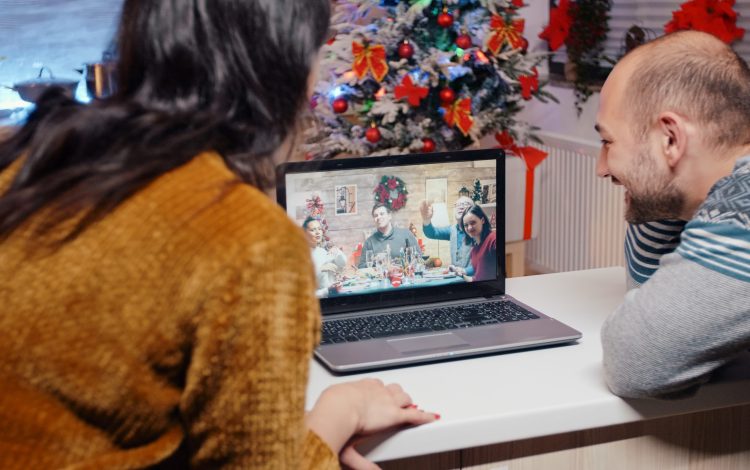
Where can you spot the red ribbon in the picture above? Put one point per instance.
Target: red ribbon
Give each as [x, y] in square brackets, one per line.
[503, 32]
[531, 157]
[459, 114]
[369, 57]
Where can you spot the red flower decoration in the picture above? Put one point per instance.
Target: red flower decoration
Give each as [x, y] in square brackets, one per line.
[558, 28]
[392, 183]
[414, 94]
[715, 17]
[399, 202]
[529, 84]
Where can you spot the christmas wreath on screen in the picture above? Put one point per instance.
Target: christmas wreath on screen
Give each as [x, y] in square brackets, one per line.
[391, 192]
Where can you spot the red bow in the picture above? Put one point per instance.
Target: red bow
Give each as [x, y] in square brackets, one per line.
[529, 84]
[370, 58]
[459, 114]
[532, 157]
[411, 92]
[502, 33]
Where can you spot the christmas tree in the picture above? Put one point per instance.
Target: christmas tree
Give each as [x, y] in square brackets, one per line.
[476, 195]
[422, 75]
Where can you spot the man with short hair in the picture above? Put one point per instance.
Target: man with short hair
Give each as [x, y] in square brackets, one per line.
[674, 119]
[386, 237]
[460, 259]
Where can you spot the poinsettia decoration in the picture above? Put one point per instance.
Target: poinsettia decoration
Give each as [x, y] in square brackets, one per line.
[391, 192]
[558, 28]
[715, 17]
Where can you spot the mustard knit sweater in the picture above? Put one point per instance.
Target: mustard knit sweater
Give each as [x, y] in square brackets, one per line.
[175, 332]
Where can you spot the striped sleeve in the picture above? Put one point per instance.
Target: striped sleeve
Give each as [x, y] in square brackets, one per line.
[646, 243]
[721, 247]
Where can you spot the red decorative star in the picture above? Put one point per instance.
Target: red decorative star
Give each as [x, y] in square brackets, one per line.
[558, 28]
[414, 94]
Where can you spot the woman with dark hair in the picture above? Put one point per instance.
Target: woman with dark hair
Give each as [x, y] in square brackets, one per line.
[328, 261]
[158, 308]
[483, 244]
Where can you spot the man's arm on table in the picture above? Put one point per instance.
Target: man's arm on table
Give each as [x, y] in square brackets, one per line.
[691, 317]
[645, 244]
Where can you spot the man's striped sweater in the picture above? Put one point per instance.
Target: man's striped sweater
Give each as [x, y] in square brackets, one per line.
[691, 313]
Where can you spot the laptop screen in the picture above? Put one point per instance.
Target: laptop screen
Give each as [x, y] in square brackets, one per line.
[399, 230]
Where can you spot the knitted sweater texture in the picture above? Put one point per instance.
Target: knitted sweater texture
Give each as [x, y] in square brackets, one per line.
[174, 333]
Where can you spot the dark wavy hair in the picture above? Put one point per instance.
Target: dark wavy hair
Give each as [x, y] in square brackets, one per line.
[476, 209]
[308, 221]
[228, 76]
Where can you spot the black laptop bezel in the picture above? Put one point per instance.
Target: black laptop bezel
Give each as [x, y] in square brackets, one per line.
[422, 295]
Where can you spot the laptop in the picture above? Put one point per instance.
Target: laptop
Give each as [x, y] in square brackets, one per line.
[392, 296]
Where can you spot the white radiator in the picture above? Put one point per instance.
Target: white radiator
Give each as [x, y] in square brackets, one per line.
[581, 223]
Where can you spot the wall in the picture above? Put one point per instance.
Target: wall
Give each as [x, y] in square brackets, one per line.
[556, 118]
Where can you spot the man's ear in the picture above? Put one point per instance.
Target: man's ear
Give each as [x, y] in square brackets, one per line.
[673, 137]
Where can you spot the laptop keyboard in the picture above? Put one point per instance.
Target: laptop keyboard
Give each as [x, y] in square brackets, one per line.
[422, 321]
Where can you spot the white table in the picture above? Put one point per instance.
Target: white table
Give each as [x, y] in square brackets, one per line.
[530, 394]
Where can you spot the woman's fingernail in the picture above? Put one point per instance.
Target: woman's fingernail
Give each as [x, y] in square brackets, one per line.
[412, 406]
[437, 416]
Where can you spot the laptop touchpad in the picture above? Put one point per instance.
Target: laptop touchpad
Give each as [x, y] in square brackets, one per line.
[426, 343]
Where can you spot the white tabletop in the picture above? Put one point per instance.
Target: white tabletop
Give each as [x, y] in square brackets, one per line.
[533, 393]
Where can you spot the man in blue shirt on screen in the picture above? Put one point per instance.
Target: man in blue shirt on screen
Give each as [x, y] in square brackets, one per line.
[460, 259]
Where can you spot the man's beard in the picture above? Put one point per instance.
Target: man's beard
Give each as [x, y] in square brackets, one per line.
[656, 196]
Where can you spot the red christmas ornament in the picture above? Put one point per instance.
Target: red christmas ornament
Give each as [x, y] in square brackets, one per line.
[428, 145]
[524, 45]
[447, 95]
[405, 50]
[445, 19]
[372, 134]
[340, 105]
[463, 41]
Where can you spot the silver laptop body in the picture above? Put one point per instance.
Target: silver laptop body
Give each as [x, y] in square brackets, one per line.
[365, 293]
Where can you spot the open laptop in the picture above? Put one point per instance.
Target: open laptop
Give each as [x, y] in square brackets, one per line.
[391, 296]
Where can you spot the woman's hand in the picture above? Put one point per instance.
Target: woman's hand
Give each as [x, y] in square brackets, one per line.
[457, 270]
[361, 408]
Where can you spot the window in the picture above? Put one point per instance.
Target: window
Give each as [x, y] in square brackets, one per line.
[61, 35]
[651, 16]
